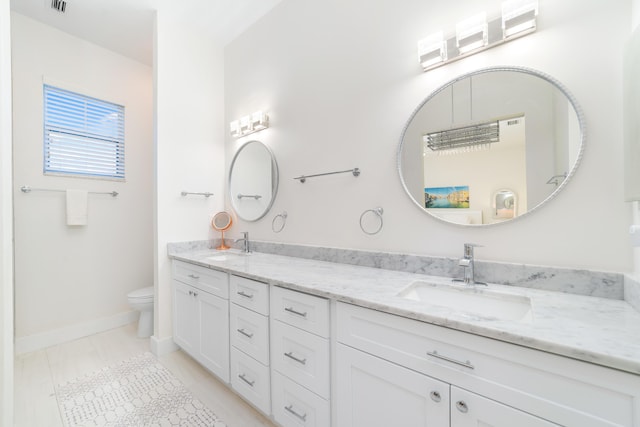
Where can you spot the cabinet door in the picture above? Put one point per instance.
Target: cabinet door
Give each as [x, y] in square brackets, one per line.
[372, 392]
[213, 325]
[185, 318]
[472, 410]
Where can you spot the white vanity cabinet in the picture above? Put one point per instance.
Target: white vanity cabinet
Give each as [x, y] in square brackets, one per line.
[249, 331]
[201, 315]
[300, 354]
[385, 360]
[374, 392]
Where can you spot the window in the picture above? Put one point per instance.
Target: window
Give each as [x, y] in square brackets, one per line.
[83, 136]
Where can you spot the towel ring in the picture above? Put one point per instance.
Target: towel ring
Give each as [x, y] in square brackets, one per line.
[378, 213]
[283, 222]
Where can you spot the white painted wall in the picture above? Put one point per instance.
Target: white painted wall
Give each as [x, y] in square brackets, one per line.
[6, 223]
[189, 150]
[340, 79]
[66, 276]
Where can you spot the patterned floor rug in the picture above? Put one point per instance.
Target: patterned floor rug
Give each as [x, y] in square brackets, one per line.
[136, 392]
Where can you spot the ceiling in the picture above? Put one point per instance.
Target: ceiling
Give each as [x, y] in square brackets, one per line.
[126, 26]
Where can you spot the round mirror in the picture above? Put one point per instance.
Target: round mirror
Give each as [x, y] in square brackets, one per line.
[221, 222]
[253, 181]
[485, 131]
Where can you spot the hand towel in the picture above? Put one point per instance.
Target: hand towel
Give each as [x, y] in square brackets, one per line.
[76, 207]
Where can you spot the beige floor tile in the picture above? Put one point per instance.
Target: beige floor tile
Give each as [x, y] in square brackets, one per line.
[37, 374]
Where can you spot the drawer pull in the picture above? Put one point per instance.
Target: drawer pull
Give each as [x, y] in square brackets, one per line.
[435, 354]
[245, 333]
[243, 294]
[244, 378]
[193, 276]
[435, 396]
[292, 357]
[292, 411]
[298, 313]
[462, 407]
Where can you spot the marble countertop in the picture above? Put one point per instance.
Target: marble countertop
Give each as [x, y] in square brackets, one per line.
[597, 330]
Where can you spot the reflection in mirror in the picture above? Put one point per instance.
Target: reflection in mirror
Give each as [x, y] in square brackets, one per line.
[253, 181]
[221, 222]
[492, 129]
[504, 204]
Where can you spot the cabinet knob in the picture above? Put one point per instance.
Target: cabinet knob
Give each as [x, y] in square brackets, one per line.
[435, 396]
[193, 276]
[462, 406]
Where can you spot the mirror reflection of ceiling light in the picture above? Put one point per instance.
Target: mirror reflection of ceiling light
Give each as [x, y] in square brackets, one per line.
[249, 124]
[463, 139]
[476, 34]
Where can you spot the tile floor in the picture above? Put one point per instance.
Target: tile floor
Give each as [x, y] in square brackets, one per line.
[37, 374]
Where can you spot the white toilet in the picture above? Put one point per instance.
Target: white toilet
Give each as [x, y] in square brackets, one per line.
[142, 300]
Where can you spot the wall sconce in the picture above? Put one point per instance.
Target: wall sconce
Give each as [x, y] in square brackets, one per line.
[476, 34]
[249, 124]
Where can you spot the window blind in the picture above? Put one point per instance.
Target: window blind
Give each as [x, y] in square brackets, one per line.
[82, 135]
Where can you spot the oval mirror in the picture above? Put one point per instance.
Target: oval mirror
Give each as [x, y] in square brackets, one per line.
[221, 222]
[485, 131]
[253, 181]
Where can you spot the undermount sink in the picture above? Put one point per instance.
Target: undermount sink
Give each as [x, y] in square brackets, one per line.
[227, 255]
[471, 300]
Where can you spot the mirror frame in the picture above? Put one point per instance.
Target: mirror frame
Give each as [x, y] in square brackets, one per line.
[274, 180]
[530, 71]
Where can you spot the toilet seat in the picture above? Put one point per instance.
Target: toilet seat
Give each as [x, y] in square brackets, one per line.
[141, 295]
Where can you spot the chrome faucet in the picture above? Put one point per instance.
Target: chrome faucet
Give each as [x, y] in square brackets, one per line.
[245, 242]
[467, 262]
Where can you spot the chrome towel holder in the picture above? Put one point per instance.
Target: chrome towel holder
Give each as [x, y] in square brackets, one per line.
[27, 189]
[378, 213]
[303, 178]
[207, 194]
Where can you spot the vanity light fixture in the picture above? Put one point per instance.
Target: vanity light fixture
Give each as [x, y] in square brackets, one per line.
[472, 33]
[518, 16]
[432, 50]
[234, 127]
[249, 124]
[476, 34]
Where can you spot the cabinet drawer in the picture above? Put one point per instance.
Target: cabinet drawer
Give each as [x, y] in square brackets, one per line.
[250, 333]
[564, 391]
[250, 294]
[205, 279]
[250, 379]
[305, 311]
[301, 356]
[294, 405]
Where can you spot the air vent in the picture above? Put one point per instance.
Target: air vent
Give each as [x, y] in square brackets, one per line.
[59, 5]
[512, 122]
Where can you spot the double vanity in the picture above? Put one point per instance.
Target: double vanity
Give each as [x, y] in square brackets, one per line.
[316, 343]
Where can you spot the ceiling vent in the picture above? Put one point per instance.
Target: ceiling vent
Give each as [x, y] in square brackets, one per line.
[59, 5]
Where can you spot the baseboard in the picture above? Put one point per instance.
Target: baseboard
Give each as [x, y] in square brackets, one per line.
[69, 333]
[162, 346]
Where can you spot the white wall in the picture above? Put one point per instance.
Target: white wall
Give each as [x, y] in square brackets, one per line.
[340, 79]
[189, 150]
[6, 226]
[67, 276]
